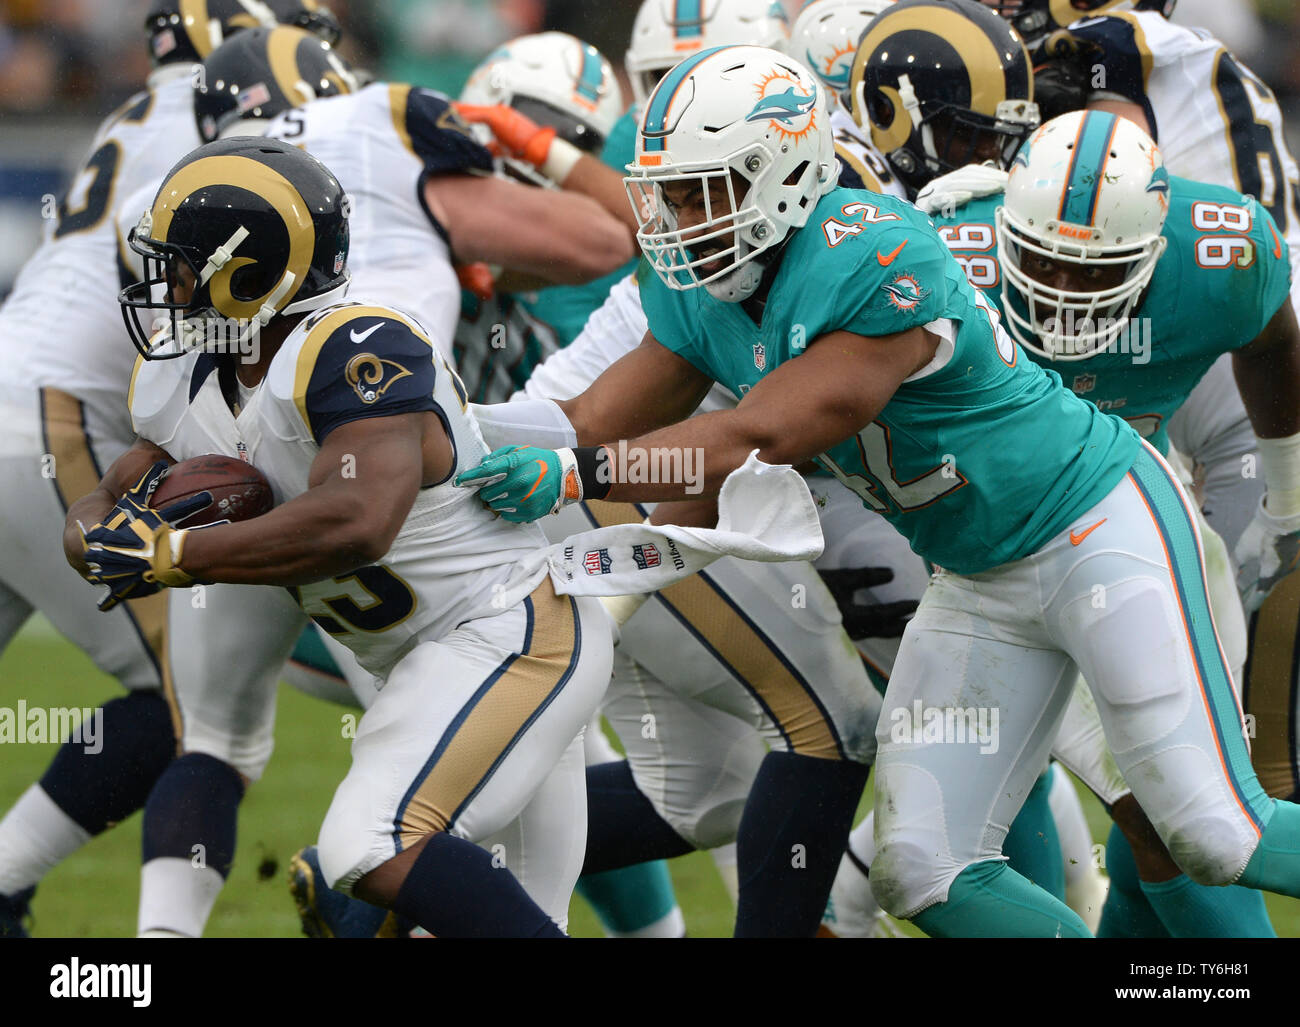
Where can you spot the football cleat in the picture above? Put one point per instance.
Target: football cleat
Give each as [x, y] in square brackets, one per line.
[16, 913]
[326, 913]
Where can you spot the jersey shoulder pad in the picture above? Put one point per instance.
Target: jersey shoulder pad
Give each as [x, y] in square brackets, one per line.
[354, 361]
[880, 265]
[673, 317]
[1229, 244]
[430, 128]
[161, 392]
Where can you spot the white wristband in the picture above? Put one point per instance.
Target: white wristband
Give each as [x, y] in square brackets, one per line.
[560, 160]
[1280, 461]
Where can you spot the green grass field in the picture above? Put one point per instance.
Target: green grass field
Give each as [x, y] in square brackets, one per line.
[94, 894]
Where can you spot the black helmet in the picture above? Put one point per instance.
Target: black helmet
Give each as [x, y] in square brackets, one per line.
[1034, 19]
[254, 227]
[264, 72]
[311, 15]
[189, 30]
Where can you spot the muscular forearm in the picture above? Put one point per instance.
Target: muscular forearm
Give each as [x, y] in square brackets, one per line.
[691, 459]
[603, 184]
[89, 509]
[320, 534]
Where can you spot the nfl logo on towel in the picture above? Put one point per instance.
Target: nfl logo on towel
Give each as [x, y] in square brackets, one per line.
[597, 561]
[646, 556]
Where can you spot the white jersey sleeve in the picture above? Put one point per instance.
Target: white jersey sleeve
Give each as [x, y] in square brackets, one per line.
[614, 329]
[380, 143]
[75, 271]
[1214, 119]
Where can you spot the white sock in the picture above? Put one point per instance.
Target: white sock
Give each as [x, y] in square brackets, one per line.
[724, 858]
[671, 925]
[35, 836]
[852, 911]
[1085, 888]
[176, 897]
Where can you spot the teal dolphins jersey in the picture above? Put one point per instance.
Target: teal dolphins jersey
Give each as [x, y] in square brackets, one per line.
[565, 308]
[978, 459]
[1223, 275]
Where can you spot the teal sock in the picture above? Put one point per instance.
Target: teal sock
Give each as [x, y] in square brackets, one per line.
[1191, 910]
[630, 898]
[1275, 866]
[1127, 913]
[990, 900]
[1032, 846]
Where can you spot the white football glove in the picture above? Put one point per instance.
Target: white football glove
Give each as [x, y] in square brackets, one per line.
[957, 188]
[1268, 550]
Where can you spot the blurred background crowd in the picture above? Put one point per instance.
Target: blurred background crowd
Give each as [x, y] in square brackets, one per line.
[64, 64]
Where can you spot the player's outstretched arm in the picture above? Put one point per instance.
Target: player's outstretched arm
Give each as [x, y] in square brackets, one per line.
[1268, 376]
[561, 237]
[93, 507]
[797, 412]
[360, 490]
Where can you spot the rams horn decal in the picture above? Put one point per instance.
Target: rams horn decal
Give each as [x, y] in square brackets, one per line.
[980, 56]
[271, 186]
[365, 371]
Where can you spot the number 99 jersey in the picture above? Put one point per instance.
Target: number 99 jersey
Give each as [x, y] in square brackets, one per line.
[452, 557]
[1214, 119]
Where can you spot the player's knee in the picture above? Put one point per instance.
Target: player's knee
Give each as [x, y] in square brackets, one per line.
[913, 866]
[906, 875]
[1210, 849]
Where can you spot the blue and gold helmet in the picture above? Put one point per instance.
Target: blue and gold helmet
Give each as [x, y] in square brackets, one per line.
[242, 231]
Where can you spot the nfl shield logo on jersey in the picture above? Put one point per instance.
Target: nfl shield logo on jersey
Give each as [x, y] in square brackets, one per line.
[760, 356]
[597, 561]
[1084, 383]
[646, 556]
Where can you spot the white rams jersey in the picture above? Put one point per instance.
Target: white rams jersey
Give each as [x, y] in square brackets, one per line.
[1213, 118]
[62, 326]
[452, 557]
[380, 143]
[858, 155]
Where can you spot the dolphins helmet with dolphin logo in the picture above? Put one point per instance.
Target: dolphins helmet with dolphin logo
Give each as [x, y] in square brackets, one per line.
[668, 31]
[939, 84]
[825, 37]
[753, 121]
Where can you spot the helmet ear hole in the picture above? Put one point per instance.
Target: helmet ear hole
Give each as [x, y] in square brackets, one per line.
[797, 174]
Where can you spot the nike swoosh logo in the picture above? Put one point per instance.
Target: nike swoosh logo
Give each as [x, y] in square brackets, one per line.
[542, 465]
[886, 261]
[1277, 243]
[359, 337]
[1076, 539]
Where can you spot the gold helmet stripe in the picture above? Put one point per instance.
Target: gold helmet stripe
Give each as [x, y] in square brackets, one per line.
[194, 17]
[978, 53]
[282, 55]
[255, 177]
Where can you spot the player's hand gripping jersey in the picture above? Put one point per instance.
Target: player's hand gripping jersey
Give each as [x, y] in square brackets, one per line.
[927, 463]
[1224, 274]
[343, 363]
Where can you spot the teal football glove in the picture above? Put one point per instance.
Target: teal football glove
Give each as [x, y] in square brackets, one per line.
[525, 483]
[135, 551]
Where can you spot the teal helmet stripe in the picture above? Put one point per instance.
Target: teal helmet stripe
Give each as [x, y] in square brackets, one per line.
[655, 124]
[688, 19]
[592, 75]
[1087, 167]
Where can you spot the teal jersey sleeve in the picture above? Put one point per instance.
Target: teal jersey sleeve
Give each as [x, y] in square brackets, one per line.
[370, 366]
[565, 308]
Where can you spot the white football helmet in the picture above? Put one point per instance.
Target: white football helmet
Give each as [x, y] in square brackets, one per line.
[1087, 189]
[731, 114]
[666, 31]
[556, 80]
[825, 37]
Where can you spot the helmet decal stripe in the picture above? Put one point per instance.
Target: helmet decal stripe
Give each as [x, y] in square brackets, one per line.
[1087, 168]
[590, 78]
[688, 19]
[282, 55]
[194, 22]
[655, 124]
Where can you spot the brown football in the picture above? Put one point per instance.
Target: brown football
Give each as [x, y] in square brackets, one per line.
[239, 490]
